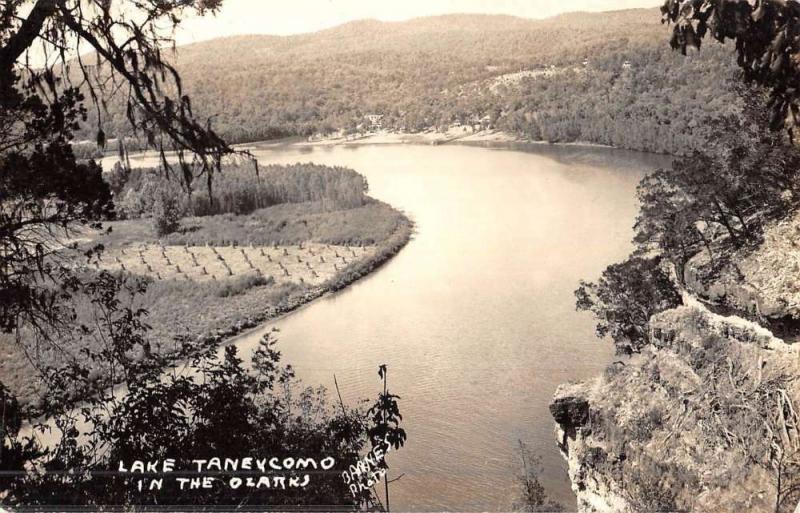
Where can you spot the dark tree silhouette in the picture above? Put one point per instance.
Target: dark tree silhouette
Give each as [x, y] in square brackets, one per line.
[209, 407]
[533, 496]
[45, 191]
[385, 432]
[765, 33]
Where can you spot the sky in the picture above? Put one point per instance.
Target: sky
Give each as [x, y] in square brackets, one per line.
[283, 17]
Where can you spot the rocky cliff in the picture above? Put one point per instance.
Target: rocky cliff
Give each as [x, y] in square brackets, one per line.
[704, 420]
[762, 283]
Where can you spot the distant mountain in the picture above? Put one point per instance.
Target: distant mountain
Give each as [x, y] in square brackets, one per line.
[468, 36]
[606, 77]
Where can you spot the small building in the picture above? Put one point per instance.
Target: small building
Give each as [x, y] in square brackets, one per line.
[374, 121]
[477, 124]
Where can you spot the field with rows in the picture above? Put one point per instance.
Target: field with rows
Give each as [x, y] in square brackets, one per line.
[310, 263]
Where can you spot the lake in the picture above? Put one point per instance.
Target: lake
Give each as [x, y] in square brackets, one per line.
[475, 318]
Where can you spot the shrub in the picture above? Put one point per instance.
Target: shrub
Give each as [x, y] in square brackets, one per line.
[166, 214]
[657, 486]
[117, 178]
[240, 284]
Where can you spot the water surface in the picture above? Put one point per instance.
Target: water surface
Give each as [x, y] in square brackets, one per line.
[475, 317]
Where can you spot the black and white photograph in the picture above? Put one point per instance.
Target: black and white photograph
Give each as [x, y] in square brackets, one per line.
[400, 256]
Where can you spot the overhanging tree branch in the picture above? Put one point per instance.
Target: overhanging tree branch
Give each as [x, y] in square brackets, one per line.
[29, 30]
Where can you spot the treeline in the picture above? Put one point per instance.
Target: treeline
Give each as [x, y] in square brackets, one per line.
[238, 189]
[614, 81]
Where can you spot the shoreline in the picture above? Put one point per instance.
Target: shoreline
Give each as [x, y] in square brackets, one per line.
[498, 137]
[357, 271]
[485, 137]
[403, 234]
[427, 137]
[235, 315]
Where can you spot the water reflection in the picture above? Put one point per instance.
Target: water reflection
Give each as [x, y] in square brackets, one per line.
[475, 317]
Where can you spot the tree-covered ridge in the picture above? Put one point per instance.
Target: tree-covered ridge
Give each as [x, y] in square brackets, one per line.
[600, 77]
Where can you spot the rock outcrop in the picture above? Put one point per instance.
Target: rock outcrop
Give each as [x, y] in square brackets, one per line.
[694, 423]
[762, 284]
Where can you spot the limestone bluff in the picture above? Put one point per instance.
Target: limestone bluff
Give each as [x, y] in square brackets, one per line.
[669, 427]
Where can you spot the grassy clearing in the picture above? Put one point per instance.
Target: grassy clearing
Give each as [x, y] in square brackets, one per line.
[285, 224]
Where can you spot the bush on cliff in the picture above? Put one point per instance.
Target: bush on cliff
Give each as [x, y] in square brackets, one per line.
[625, 298]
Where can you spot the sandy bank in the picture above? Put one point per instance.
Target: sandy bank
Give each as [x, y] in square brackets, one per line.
[452, 136]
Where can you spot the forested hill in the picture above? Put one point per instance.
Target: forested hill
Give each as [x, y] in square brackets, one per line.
[602, 77]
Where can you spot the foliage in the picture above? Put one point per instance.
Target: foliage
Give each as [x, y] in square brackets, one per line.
[387, 248]
[190, 311]
[786, 468]
[46, 192]
[625, 298]
[15, 452]
[130, 46]
[384, 431]
[714, 199]
[533, 497]
[294, 223]
[718, 197]
[117, 177]
[208, 405]
[757, 416]
[93, 319]
[702, 420]
[727, 191]
[223, 411]
[638, 98]
[765, 35]
[241, 284]
[647, 488]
